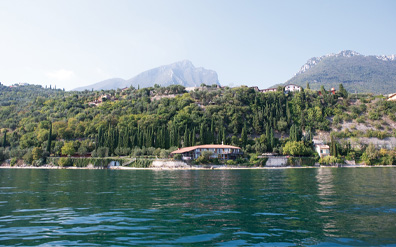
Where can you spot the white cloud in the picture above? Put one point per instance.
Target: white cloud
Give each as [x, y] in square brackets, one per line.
[61, 75]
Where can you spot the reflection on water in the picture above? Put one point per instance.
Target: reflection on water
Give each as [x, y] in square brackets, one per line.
[290, 207]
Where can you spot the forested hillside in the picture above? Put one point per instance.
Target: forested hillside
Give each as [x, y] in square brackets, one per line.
[38, 122]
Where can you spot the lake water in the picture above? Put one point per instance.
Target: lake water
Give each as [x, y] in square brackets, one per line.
[285, 207]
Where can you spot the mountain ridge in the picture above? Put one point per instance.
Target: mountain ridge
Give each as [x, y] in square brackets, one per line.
[179, 73]
[357, 72]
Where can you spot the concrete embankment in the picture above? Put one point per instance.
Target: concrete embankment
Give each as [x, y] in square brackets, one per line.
[169, 164]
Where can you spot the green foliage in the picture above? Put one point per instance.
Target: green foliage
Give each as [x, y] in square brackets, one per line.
[301, 161]
[13, 161]
[257, 161]
[141, 163]
[28, 157]
[3, 155]
[329, 160]
[65, 161]
[68, 148]
[37, 153]
[370, 155]
[296, 148]
[201, 160]
[177, 156]
[133, 123]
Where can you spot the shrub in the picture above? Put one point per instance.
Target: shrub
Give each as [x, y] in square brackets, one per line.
[296, 148]
[360, 119]
[231, 162]
[258, 161]
[13, 161]
[101, 152]
[388, 160]
[28, 157]
[177, 156]
[68, 148]
[65, 161]
[202, 160]
[37, 153]
[164, 153]
[328, 160]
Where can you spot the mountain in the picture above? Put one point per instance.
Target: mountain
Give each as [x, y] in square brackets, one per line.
[108, 84]
[179, 73]
[358, 73]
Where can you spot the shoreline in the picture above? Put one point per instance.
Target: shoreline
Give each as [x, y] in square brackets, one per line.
[188, 168]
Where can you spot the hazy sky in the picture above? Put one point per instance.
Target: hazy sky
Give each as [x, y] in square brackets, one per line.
[75, 43]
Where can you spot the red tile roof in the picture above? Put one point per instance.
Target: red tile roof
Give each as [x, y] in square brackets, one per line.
[189, 149]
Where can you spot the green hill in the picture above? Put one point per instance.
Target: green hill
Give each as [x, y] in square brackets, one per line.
[358, 73]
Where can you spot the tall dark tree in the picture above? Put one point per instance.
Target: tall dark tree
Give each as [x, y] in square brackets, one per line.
[202, 134]
[5, 138]
[193, 140]
[49, 139]
[343, 91]
[244, 135]
[333, 147]
[186, 138]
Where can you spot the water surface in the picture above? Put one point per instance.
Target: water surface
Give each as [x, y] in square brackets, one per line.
[285, 207]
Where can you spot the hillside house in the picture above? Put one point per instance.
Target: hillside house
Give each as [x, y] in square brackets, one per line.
[268, 90]
[223, 152]
[322, 150]
[292, 88]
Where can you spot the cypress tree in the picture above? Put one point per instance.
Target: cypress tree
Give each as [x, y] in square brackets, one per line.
[302, 119]
[185, 138]
[178, 138]
[292, 133]
[272, 139]
[202, 134]
[288, 114]
[167, 138]
[49, 139]
[193, 141]
[343, 91]
[224, 136]
[333, 151]
[5, 138]
[244, 135]
[212, 133]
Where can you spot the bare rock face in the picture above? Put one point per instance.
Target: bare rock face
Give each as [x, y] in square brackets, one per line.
[179, 73]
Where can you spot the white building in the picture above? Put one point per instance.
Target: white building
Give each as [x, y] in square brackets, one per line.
[224, 152]
[292, 88]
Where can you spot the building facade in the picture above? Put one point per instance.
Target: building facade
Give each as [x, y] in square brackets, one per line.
[322, 150]
[292, 88]
[223, 152]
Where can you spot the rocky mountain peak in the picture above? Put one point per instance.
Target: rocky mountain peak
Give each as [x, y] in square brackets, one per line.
[178, 73]
[346, 53]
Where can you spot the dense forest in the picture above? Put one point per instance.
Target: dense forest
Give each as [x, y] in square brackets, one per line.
[39, 122]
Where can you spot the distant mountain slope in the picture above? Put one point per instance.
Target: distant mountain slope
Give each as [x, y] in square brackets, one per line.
[365, 74]
[108, 84]
[180, 73]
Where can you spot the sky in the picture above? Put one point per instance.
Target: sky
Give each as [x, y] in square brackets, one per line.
[72, 43]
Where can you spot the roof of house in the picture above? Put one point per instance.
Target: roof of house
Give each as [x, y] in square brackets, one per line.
[292, 85]
[323, 146]
[188, 149]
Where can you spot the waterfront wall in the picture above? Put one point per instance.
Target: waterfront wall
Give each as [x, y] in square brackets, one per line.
[276, 161]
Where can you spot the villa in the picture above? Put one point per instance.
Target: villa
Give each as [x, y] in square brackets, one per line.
[223, 152]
